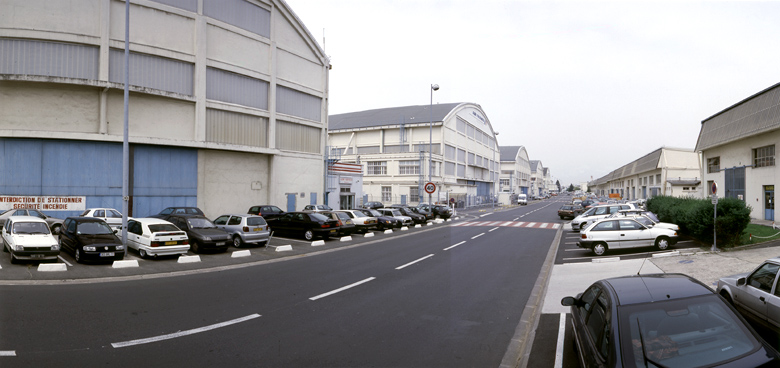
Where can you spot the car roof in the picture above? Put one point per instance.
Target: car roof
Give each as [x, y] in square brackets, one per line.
[85, 219]
[655, 288]
[151, 221]
[27, 219]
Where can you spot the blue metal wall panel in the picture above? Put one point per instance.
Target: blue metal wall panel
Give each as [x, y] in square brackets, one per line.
[20, 172]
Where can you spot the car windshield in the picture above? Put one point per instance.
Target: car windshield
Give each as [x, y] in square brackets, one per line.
[589, 212]
[30, 228]
[255, 221]
[158, 228]
[94, 228]
[690, 332]
[374, 213]
[200, 223]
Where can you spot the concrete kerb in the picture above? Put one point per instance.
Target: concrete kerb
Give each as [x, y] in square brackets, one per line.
[283, 248]
[125, 264]
[52, 267]
[240, 253]
[188, 259]
[519, 349]
[315, 243]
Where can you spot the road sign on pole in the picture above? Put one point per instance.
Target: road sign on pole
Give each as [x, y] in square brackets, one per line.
[430, 187]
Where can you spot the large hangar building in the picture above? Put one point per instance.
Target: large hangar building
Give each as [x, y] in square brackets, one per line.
[228, 104]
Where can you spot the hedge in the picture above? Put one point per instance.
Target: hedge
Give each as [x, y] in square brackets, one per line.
[695, 217]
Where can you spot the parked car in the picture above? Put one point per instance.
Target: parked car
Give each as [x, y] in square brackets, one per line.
[267, 211]
[428, 214]
[305, 224]
[396, 213]
[624, 233]
[346, 225]
[755, 294]
[522, 199]
[596, 213]
[164, 214]
[569, 211]
[153, 237]
[363, 222]
[662, 320]
[406, 211]
[383, 222]
[201, 232]
[244, 229]
[317, 208]
[439, 210]
[373, 205]
[29, 238]
[54, 224]
[90, 238]
[111, 216]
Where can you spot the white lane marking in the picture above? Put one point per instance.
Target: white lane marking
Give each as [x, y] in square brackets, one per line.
[518, 224]
[495, 228]
[506, 223]
[453, 246]
[515, 219]
[543, 225]
[531, 224]
[485, 214]
[559, 346]
[413, 262]
[477, 236]
[174, 335]
[342, 288]
[7, 352]
[66, 262]
[555, 226]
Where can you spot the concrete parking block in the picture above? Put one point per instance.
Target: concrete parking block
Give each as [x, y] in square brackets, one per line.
[52, 267]
[388, 231]
[345, 238]
[368, 235]
[439, 221]
[317, 243]
[449, 219]
[404, 228]
[283, 248]
[417, 226]
[240, 253]
[125, 264]
[430, 224]
[188, 259]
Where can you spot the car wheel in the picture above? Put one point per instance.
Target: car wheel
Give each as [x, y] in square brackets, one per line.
[77, 255]
[5, 248]
[195, 247]
[562, 217]
[308, 235]
[56, 229]
[599, 249]
[662, 243]
[142, 253]
[237, 242]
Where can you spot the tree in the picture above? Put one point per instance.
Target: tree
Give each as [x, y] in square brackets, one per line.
[571, 188]
[558, 185]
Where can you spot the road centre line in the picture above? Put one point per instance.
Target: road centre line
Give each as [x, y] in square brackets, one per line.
[117, 345]
[413, 262]
[495, 228]
[7, 352]
[342, 288]
[477, 236]
[453, 246]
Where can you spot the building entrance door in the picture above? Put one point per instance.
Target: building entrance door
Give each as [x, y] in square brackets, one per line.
[769, 202]
[347, 202]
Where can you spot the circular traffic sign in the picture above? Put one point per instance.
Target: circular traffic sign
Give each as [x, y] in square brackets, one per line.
[714, 188]
[430, 187]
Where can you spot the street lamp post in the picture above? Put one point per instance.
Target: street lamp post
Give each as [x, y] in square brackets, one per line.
[434, 87]
[493, 174]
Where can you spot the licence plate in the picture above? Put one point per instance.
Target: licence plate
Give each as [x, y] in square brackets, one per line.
[107, 254]
[170, 243]
[333, 231]
[36, 255]
[221, 243]
[257, 229]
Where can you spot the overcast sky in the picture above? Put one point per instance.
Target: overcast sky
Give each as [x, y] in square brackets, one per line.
[585, 86]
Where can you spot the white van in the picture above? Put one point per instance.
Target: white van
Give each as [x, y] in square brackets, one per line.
[522, 199]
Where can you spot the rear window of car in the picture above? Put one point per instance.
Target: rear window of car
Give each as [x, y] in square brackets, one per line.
[318, 217]
[255, 221]
[157, 228]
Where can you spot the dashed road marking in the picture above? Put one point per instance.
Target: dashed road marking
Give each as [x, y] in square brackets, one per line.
[174, 335]
[343, 288]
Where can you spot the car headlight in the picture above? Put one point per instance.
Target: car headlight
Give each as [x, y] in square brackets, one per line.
[89, 249]
[207, 238]
[55, 247]
[19, 247]
[120, 247]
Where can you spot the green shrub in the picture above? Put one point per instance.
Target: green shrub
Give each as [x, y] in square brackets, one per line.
[695, 217]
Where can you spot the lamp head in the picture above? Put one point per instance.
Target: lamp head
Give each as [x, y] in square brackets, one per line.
[435, 87]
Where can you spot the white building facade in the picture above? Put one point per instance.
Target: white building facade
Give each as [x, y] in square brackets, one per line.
[393, 146]
[515, 177]
[225, 97]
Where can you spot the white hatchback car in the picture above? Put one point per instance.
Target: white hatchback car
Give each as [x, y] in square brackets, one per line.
[111, 216]
[29, 238]
[154, 237]
[596, 213]
[620, 233]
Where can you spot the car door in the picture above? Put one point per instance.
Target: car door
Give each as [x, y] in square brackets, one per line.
[773, 306]
[591, 327]
[758, 288]
[68, 235]
[134, 233]
[633, 234]
[607, 231]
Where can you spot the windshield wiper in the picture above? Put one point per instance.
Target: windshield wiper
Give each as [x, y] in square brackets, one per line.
[644, 351]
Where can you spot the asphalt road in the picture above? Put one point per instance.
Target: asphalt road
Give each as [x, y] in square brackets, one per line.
[446, 297]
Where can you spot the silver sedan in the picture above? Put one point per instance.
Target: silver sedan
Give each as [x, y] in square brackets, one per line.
[755, 294]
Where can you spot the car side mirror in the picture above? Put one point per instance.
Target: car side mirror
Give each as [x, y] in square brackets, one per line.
[741, 281]
[568, 301]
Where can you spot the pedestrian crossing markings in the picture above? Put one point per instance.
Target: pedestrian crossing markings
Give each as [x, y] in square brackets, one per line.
[535, 225]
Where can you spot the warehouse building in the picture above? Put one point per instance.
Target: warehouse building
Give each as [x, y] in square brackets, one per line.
[227, 109]
[515, 175]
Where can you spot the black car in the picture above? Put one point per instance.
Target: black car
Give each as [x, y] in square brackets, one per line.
[407, 211]
[662, 320]
[373, 205]
[202, 233]
[306, 224]
[268, 211]
[178, 211]
[439, 210]
[382, 222]
[428, 214]
[90, 238]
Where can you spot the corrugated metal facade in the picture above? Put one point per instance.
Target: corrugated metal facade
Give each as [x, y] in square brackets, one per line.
[52, 59]
[296, 103]
[163, 176]
[234, 128]
[241, 14]
[190, 5]
[152, 72]
[235, 88]
[296, 137]
[757, 114]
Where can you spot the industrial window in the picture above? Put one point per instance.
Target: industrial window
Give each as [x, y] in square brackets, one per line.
[297, 137]
[470, 130]
[462, 171]
[396, 148]
[450, 152]
[296, 103]
[54, 59]
[368, 149]
[449, 168]
[376, 168]
[409, 167]
[658, 179]
[764, 156]
[151, 71]
[191, 5]
[713, 164]
[461, 126]
[234, 128]
[472, 158]
[414, 194]
[461, 156]
[222, 85]
[504, 183]
[240, 13]
[387, 194]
